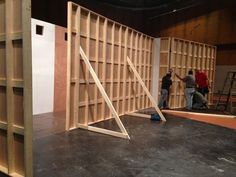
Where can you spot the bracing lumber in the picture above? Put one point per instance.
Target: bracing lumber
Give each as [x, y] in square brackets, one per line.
[104, 131]
[139, 115]
[15, 88]
[154, 104]
[106, 98]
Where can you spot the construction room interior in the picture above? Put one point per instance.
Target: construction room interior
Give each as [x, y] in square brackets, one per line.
[81, 85]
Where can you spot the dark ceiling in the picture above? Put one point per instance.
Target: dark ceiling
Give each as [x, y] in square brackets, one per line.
[144, 15]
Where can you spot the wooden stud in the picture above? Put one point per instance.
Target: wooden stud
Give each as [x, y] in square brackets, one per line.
[86, 71]
[130, 78]
[144, 68]
[125, 72]
[112, 63]
[27, 132]
[140, 70]
[135, 64]
[96, 63]
[149, 67]
[9, 71]
[69, 47]
[119, 68]
[104, 63]
[76, 67]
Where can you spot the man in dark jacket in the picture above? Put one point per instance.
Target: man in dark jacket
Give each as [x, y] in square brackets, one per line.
[165, 87]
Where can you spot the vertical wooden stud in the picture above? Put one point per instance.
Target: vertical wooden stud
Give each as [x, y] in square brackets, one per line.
[104, 63]
[9, 71]
[125, 70]
[119, 68]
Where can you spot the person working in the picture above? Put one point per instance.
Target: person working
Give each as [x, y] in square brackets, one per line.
[199, 101]
[202, 82]
[165, 87]
[189, 88]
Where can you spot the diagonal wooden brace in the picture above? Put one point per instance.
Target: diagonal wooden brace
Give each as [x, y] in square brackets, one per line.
[154, 104]
[104, 95]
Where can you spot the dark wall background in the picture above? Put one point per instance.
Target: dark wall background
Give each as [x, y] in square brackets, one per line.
[208, 21]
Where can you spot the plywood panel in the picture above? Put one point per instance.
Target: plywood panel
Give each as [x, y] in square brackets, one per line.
[3, 103]
[106, 44]
[15, 88]
[2, 60]
[17, 59]
[60, 70]
[3, 150]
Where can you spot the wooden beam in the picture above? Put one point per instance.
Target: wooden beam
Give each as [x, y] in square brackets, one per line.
[125, 72]
[104, 95]
[75, 113]
[27, 130]
[154, 104]
[202, 114]
[68, 69]
[105, 131]
[10, 96]
[104, 55]
[96, 62]
[139, 115]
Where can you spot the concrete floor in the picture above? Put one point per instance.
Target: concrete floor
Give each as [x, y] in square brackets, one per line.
[177, 148]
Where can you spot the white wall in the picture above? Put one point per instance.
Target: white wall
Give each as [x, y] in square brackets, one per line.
[43, 56]
[155, 68]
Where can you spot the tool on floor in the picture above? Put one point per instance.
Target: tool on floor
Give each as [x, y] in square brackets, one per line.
[155, 117]
[226, 94]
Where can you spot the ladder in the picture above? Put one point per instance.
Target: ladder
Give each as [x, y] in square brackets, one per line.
[226, 92]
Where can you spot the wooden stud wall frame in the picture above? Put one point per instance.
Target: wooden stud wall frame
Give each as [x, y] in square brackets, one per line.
[183, 55]
[15, 88]
[106, 44]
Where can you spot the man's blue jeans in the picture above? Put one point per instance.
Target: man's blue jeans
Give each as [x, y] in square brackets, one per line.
[189, 97]
[164, 96]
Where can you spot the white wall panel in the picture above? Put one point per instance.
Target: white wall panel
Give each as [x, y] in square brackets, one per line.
[155, 68]
[43, 58]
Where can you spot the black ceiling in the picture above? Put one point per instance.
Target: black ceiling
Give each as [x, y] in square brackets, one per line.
[142, 15]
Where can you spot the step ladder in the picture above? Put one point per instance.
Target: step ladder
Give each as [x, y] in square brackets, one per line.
[225, 94]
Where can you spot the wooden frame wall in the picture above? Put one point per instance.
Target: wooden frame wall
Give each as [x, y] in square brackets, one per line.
[106, 44]
[15, 88]
[183, 55]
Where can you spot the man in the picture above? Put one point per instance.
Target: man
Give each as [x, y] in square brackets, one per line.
[202, 82]
[199, 101]
[189, 88]
[165, 87]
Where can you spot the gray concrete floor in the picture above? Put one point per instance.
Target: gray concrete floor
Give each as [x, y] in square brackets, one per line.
[177, 148]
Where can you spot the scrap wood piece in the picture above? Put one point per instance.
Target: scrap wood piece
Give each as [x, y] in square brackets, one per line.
[135, 114]
[107, 100]
[145, 89]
